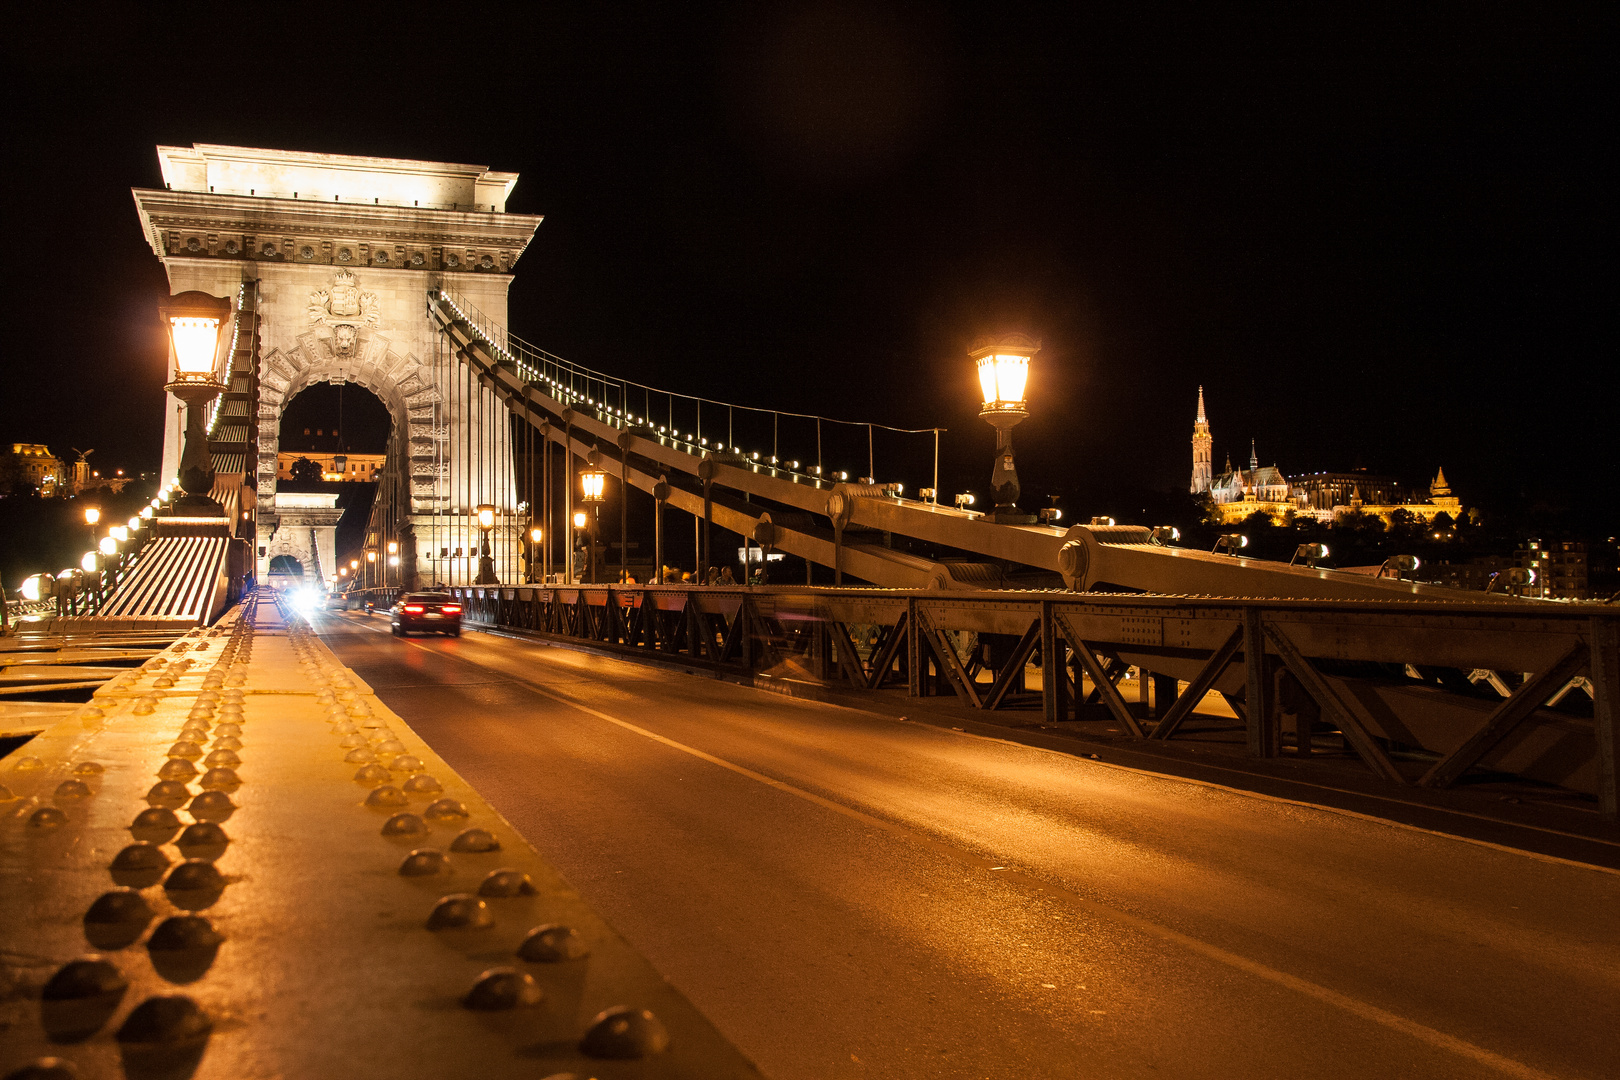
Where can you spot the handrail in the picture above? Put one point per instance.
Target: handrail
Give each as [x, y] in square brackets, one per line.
[580, 385]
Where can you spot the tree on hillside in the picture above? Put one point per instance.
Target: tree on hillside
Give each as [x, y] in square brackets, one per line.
[304, 471]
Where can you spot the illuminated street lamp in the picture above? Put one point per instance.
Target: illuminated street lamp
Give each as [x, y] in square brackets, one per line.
[536, 535]
[193, 320]
[582, 524]
[486, 559]
[92, 514]
[1003, 375]
[592, 485]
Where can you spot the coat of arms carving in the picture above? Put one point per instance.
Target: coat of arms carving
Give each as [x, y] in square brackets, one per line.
[345, 308]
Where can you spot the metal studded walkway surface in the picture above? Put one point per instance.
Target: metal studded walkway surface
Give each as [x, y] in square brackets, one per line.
[236, 862]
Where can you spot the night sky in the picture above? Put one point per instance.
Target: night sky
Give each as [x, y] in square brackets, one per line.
[1374, 237]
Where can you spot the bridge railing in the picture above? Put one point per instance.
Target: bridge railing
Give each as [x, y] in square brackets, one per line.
[1415, 690]
[704, 424]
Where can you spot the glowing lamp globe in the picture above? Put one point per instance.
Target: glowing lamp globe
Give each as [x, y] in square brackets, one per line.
[592, 483]
[580, 519]
[89, 561]
[92, 514]
[535, 535]
[1003, 365]
[108, 546]
[193, 320]
[486, 517]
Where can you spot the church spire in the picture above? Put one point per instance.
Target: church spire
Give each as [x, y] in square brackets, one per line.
[1254, 459]
[1203, 445]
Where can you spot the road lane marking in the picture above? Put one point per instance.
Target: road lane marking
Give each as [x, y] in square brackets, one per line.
[1266, 797]
[1354, 1006]
[1077, 756]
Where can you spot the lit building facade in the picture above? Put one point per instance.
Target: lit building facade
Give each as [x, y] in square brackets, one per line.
[1559, 566]
[1235, 494]
[334, 467]
[34, 464]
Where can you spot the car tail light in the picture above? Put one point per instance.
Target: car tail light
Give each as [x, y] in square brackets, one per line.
[414, 609]
[451, 609]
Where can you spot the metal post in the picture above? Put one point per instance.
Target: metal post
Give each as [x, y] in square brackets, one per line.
[624, 515]
[1261, 722]
[1051, 667]
[935, 488]
[1604, 649]
[914, 652]
[708, 515]
[660, 493]
[568, 486]
[596, 528]
[545, 496]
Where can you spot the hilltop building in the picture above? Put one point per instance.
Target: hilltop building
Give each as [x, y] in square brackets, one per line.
[1235, 494]
[34, 464]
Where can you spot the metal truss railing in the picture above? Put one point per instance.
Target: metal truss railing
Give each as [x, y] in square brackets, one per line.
[1394, 680]
[624, 404]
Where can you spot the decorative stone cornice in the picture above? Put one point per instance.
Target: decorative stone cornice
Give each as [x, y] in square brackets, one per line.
[205, 225]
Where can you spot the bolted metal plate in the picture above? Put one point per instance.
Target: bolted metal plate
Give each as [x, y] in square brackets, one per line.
[300, 949]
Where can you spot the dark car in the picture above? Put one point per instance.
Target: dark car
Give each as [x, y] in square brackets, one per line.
[435, 612]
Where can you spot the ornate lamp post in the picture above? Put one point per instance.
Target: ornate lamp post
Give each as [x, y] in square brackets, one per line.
[592, 484]
[371, 567]
[393, 559]
[486, 559]
[193, 320]
[1003, 374]
[92, 514]
[536, 535]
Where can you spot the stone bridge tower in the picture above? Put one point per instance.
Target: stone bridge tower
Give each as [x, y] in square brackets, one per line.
[343, 250]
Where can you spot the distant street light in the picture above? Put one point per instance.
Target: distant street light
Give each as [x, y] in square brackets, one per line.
[1003, 376]
[1309, 554]
[486, 560]
[1400, 564]
[582, 523]
[535, 536]
[193, 320]
[592, 486]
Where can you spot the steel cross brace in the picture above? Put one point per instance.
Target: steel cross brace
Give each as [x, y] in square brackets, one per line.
[1100, 679]
[1507, 717]
[1184, 705]
[955, 673]
[1348, 713]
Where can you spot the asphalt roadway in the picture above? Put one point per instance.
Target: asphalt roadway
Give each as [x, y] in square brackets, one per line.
[849, 895]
